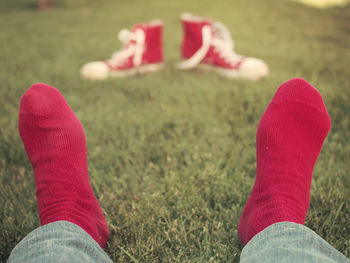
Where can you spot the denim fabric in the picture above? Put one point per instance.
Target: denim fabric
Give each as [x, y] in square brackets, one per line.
[60, 241]
[63, 241]
[289, 242]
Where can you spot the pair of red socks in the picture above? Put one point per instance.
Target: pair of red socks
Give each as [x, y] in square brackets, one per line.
[289, 139]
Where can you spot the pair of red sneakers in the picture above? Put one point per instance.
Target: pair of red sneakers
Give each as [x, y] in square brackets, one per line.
[206, 45]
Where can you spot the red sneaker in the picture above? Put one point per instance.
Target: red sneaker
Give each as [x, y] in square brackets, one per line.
[208, 45]
[142, 52]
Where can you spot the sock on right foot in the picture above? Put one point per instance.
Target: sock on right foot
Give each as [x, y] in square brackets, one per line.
[288, 141]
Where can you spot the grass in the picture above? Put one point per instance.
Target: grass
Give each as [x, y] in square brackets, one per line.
[172, 155]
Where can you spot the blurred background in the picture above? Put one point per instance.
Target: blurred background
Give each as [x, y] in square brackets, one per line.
[172, 154]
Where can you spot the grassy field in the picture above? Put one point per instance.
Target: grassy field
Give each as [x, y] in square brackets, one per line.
[172, 154]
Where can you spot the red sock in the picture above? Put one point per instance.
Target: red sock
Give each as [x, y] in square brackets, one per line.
[288, 141]
[55, 144]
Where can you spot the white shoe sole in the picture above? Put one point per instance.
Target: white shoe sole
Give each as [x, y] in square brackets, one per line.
[98, 70]
[233, 73]
[137, 70]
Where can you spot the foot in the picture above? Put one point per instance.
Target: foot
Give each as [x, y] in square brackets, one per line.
[54, 141]
[288, 141]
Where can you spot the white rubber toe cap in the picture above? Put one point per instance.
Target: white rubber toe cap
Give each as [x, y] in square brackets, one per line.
[94, 70]
[254, 69]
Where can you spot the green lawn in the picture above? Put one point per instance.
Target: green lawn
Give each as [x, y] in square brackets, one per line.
[172, 154]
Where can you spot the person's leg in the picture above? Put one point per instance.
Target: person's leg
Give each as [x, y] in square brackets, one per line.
[54, 141]
[289, 139]
[289, 242]
[60, 241]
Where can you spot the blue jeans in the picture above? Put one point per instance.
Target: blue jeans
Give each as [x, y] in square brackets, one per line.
[60, 241]
[289, 242]
[63, 241]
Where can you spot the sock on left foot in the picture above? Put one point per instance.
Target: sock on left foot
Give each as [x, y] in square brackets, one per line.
[54, 141]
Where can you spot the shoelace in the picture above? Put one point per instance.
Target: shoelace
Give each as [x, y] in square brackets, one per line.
[133, 44]
[221, 41]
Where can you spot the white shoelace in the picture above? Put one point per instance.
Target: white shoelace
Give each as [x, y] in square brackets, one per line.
[129, 48]
[221, 41]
